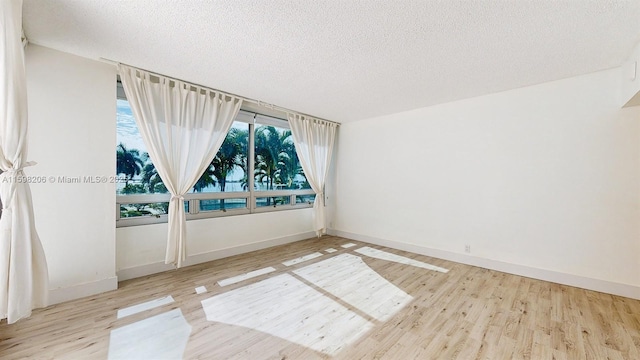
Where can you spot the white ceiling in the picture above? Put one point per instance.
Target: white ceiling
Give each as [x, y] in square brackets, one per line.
[346, 60]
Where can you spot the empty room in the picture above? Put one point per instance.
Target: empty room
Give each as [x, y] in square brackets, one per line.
[330, 179]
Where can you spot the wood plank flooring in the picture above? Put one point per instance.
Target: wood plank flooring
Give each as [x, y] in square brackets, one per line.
[465, 313]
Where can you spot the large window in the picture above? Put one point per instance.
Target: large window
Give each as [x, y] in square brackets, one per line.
[225, 188]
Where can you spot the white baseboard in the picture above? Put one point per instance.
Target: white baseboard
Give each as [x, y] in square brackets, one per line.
[154, 268]
[60, 295]
[604, 286]
[143, 270]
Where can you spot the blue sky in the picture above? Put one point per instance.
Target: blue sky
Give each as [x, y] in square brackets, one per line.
[127, 131]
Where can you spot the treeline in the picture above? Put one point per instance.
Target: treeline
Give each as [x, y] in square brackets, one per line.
[276, 163]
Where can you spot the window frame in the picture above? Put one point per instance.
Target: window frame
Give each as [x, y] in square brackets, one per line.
[251, 117]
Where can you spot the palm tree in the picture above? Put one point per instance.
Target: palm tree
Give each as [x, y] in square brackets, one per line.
[150, 176]
[276, 161]
[269, 153]
[241, 137]
[231, 154]
[207, 178]
[289, 163]
[128, 162]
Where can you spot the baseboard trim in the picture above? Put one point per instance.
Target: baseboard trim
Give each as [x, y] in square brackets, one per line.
[154, 268]
[143, 270]
[604, 286]
[63, 294]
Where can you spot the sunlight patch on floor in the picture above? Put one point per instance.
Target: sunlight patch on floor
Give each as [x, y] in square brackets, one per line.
[201, 290]
[348, 245]
[285, 307]
[144, 306]
[383, 255]
[347, 277]
[249, 275]
[162, 336]
[301, 259]
[331, 250]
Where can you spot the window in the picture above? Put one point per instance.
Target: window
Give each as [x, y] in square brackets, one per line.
[278, 182]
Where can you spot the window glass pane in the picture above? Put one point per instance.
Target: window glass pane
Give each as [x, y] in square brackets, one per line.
[148, 209]
[273, 201]
[227, 172]
[305, 199]
[276, 163]
[132, 160]
[222, 204]
[276, 167]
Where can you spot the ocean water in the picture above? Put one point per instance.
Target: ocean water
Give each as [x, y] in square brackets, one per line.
[231, 186]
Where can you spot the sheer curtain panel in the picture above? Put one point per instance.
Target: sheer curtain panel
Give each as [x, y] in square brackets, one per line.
[182, 126]
[24, 279]
[314, 140]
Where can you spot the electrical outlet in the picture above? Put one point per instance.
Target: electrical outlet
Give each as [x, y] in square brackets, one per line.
[467, 248]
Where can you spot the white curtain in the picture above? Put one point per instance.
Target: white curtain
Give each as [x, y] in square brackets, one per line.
[182, 126]
[24, 280]
[314, 140]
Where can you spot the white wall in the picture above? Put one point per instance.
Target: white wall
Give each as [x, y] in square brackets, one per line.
[141, 249]
[72, 133]
[540, 180]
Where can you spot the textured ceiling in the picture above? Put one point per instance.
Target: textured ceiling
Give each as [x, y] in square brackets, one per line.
[346, 60]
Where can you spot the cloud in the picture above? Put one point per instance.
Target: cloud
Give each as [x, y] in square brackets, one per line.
[126, 128]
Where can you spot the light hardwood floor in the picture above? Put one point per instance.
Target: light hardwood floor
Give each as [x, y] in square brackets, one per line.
[466, 313]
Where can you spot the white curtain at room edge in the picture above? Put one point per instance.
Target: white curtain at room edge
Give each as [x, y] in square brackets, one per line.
[24, 279]
[314, 140]
[182, 126]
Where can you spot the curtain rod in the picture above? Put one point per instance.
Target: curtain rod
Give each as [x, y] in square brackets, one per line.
[257, 102]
